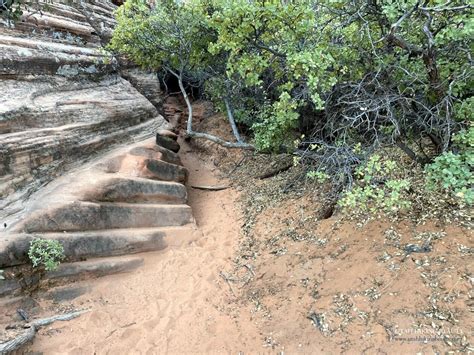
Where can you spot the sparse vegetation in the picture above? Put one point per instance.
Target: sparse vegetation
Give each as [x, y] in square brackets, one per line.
[377, 189]
[452, 171]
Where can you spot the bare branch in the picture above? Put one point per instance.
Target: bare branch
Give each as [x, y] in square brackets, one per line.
[445, 7]
[230, 116]
[407, 14]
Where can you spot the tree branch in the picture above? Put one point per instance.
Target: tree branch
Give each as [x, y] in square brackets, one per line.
[189, 125]
[444, 7]
[399, 42]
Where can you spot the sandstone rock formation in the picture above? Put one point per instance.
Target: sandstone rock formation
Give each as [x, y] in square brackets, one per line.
[75, 162]
[117, 204]
[63, 99]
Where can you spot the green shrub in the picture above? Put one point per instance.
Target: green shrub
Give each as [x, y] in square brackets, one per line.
[377, 189]
[395, 76]
[46, 253]
[452, 171]
[319, 176]
[277, 125]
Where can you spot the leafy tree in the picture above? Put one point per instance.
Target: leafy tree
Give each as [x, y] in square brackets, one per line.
[351, 76]
[409, 57]
[273, 48]
[173, 36]
[404, 78]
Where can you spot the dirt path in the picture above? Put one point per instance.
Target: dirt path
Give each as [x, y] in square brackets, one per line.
[174, 303]
[297, 284]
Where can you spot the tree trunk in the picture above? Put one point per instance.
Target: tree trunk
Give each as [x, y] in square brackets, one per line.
[230, 115]
[189, 124]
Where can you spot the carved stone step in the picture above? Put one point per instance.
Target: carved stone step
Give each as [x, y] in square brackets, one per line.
[89, 244]
[137, 190]
[144, 167]
[95, 268]
[68, 272]
[156, 152]
[80, 215]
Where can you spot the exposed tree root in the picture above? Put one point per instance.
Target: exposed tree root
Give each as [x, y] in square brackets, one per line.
[272, 173]
[31, 329]
[189, 125]
[225, 144]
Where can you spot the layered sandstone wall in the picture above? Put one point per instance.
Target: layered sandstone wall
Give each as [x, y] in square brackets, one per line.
[63, 99]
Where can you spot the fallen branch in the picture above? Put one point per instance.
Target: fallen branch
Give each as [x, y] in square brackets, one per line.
[272, 173]
[19, 341]
[29, 334]
[227, 279]
[219, 141]
[62, 317]
[210, 188]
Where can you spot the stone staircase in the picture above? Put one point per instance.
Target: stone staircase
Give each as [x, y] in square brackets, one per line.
[69, 106]
[129, 201]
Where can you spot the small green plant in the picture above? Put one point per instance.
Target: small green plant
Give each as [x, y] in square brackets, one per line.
[377, 189]
[8, 11]
[46, 253]
[318, 176]
[452, 171]
[2, 277]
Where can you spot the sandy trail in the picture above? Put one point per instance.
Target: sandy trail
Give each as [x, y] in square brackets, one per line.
[174, 303]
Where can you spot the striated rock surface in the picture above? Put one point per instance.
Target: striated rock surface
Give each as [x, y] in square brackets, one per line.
[64, 100]
[77, 161]
[147, 84]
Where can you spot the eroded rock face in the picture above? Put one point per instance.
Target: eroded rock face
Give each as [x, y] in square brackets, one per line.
[146, 83]
[64, 100]
[75, 162]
